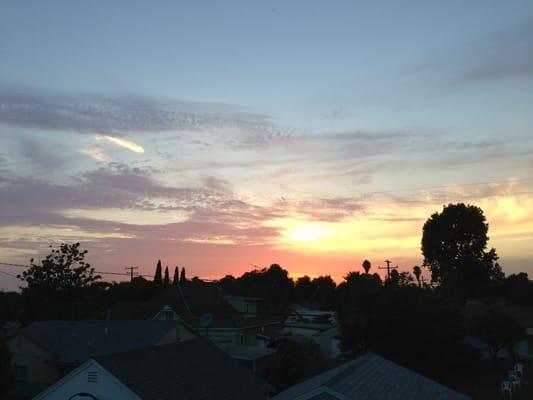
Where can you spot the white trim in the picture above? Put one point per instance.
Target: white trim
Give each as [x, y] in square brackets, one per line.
[86, 365]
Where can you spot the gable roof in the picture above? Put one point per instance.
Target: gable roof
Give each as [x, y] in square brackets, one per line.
[194, 369]
[76, 341]
[189, 300]
[371, 377]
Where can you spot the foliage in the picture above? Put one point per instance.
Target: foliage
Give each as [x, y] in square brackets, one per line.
[63, 268]
[176, 278]
[499, 330]
[158, 279]
[417, 272]
[405, 324]
[293, 363]
[183, 278]
[518, 289]
[272, 284]
[454, 247]
[166, 280]
[366, 266]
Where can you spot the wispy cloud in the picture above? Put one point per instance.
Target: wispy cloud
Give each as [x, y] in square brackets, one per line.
[83, 113]
[125, 143]
[96, 153]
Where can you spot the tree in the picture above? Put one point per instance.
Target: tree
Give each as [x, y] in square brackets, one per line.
[228, 284]
[303, 289]
[7, 376]
[166, 280]
[176, 278]
[454, 247]
[499, 330]
[366, 266]
[63, 269]
[158, 280]
[518, 289]
[352, 276]
[323, 292]
[417, 271]
[183, 278]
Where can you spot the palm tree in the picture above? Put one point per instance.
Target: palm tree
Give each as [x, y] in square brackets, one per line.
[352, 276]
[366, 266]
[417, 271]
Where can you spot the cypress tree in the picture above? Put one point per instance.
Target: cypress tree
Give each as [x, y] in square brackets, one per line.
[157, 277]
[182, 276]
[176, 276]
[166, 281]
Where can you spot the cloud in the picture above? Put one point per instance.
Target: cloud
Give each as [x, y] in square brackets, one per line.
[87, 114]
[96, 153]
[507, 54]
[125, 143]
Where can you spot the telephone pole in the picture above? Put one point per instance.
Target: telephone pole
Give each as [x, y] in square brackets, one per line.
[131, 272]
[388, 268]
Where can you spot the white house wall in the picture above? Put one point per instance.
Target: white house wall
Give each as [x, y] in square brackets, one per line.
[107, 386]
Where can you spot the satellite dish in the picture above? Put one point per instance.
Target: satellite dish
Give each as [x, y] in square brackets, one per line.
[205, 320]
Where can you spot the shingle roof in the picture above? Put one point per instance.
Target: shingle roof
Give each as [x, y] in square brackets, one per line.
[194, 369]
[373, 377]
[189, 300]
[77, 341]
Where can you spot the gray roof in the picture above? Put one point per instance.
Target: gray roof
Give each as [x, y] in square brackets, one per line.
[77, 341]
[372, 377]
[244, 352]
[190, 370]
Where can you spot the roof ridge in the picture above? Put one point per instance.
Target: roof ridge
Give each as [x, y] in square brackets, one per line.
[351, 366]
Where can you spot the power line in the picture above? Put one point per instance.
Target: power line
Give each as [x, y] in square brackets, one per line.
[8, 274]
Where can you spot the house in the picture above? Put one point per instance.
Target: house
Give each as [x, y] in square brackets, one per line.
[305, 314]
[44, 351]
[247, 306]
[308, 329]
[329, 341]
[203, 307]
[369, 377]
[252, 357]
[194, 369]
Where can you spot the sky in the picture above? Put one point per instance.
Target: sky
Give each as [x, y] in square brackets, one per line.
[220, 136]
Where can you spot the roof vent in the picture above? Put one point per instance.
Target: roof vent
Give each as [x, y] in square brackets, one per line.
[92, 377]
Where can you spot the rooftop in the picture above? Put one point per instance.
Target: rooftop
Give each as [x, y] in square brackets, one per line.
[195, 369]
[77, 341]
[370, 377]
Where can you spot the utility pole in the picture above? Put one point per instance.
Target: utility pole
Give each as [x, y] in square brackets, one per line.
[388, 268]
[131, 272]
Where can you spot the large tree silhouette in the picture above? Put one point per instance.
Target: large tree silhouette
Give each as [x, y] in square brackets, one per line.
[454, 246]
[63, 269]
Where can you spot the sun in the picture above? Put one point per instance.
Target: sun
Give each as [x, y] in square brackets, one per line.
[307, 233]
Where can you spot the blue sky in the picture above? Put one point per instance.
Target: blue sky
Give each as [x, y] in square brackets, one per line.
[281, 114]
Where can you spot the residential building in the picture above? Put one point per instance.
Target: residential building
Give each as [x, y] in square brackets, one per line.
[369, 377]
[246, 306]
[44, 351]
[202, 306]
[195, 369]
